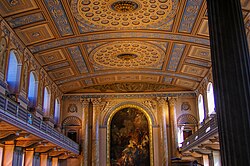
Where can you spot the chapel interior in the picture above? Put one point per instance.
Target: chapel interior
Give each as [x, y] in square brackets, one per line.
[122, 83]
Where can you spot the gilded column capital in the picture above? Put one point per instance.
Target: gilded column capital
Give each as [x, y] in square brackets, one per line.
[85, 102]
[161, 100]
[96, 101]
[172, 101]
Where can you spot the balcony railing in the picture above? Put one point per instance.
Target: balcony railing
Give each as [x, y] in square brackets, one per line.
[13, 113]
[205, 132]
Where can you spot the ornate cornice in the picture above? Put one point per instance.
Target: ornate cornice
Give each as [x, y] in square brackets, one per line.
[129, 95]
[130, 87]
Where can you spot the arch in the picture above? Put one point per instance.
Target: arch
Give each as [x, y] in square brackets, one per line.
[150, 118]
[126, 104]
[210, 98]
[57, 110]
[201, 108]
[186, 119]
[13, 72]
[32, 91]
[72, 121]
[46, 100]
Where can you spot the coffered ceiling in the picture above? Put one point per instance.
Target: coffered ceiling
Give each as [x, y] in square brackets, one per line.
[112, 45]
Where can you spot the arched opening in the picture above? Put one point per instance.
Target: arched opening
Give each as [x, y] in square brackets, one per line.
[13, 73]
[57, 111]
[72, 127]
[201, 108]
[32, 92]
[210, 98]
[46, 100]
[129, 138]
[186, 127]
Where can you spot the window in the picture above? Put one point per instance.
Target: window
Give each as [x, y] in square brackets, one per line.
[210, 98]
[13, 72]
[32, 93]
[46, 100]
[57, 111]
[201, 108]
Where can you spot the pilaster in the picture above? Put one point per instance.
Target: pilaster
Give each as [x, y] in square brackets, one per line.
[164, 139]
[85, 131]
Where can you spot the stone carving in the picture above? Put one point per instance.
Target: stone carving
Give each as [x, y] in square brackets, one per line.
[72, 108]
[130, 87]
[185, 106]
[187, 119]
[150, 104]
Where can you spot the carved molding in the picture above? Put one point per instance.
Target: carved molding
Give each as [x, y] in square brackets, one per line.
[72, 121]
[187, 119]
[130, 87]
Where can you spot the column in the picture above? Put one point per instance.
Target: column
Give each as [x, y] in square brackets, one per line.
[205, 160]
[95, 132]
[55, 161]
[163, 111]
[85, 131]
[216, 156]
[173, 126]
[43, 159]
[8, 155]
[231, 75]
[28, 158]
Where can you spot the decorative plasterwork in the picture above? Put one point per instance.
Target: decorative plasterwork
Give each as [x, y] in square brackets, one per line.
[127, 54]
[59, 16]
[25, 20]
[77, 57]
[35, 34]
[51, 57]
[129, 95]
[9, 7]
[130, 87]
[190, 13]
[194, 70]
[62, 73]
[200, 52]
[186, 83]
[110, 14]
[187, 119]
[121, 35]
[175, 56]
[57, 66]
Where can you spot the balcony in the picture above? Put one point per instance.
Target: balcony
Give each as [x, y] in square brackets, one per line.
[204, 137]
[12, 113]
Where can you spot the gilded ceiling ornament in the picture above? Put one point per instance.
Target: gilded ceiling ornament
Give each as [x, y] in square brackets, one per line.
[124, 14]
[127, 54]
[130, 87]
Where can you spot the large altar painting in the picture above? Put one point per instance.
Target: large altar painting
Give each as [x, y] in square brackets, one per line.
[129, 138]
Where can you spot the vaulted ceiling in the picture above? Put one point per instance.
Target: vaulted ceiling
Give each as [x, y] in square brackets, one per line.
[116, 45]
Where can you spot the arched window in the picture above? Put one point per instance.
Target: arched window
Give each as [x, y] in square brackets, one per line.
[201, 108]
[46, 100]
[210, 98]
[57, 111]
[32, 93]
[13, 74]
